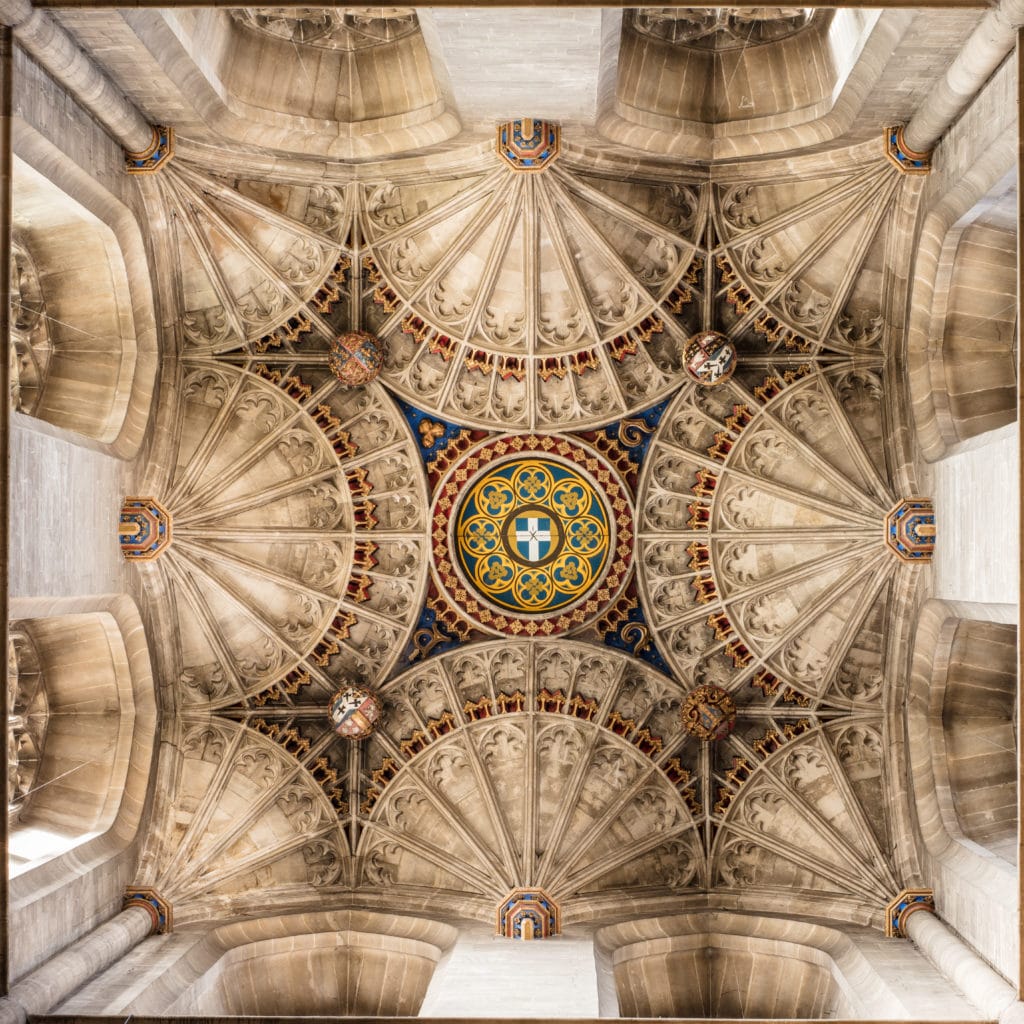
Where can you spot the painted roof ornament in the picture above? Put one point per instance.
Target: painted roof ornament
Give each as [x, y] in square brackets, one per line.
[910, 530]
[143, 529]
[529, 145]
[710, 358]
[532, 534]
[354, 712]
[529, 914]
[356, 358]
[709, 713]
[157, 155]
[908, 160]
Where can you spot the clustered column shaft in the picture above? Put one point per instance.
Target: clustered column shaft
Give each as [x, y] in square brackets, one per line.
[49, 985]
[984, 51]
[989, 991]
[48, 43]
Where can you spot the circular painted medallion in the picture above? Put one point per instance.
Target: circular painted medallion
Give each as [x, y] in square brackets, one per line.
[533, 534]
[709, 713]
[354, 712]
[710, 358]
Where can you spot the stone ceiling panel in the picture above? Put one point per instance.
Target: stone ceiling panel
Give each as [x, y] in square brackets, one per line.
[533, 300]
[299, 533]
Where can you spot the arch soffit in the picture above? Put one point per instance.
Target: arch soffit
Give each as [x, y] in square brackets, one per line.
[939, 830]
[131, 700]
[44, 171]
[813, 941]
[951, 204]
[218, 94]
[854, 47]
[201, 952]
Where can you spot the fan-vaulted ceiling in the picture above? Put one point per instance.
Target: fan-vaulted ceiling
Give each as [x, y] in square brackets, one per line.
[535, 323]
[304, 554]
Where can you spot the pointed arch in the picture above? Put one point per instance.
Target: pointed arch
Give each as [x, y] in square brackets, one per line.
[957, 712]
[86, 346]
[365, 963]
[80, 818]
[718, 963]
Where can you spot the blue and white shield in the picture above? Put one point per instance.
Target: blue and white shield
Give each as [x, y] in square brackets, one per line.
[533, 537]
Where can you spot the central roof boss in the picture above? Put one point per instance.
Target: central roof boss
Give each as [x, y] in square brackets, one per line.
[532, 534]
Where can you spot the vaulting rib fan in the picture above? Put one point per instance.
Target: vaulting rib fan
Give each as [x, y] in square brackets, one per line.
[573, 768]
[761, 535]
[299, 537]
[262, 821]
[765, 574]
[800, 267]
[258, 265]
[513, 301]
[518, 775]
[496, 285]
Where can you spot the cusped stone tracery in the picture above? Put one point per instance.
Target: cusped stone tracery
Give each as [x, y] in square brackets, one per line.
[538, 761]
[800, 267]
[248, 820]
[532, 300]
[572, 766]
[31, 346]
[257, 264]
[351, 28]
[720, 28]
[27, 720]
[299, 553]
[761, 540]
[302, 519]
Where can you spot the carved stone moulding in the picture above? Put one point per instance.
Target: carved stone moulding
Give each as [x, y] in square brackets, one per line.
[354, 712]
[529, 145]
[331, 28]
[710, 358]
[356, 357]
[906, 159]
[529, 914]
[709, 713]
[899, 909]
[532, 534]
[720, 28]
[157, 155]
[144, 529]
[159, 909]
[910, 530]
